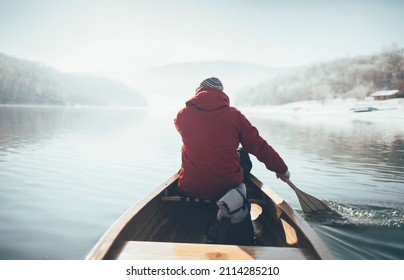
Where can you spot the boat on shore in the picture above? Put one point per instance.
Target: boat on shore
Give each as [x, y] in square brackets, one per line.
[166, 226]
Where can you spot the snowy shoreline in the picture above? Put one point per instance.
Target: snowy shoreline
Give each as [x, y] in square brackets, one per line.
[375, 110]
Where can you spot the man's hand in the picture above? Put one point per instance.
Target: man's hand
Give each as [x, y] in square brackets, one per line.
[284, 176]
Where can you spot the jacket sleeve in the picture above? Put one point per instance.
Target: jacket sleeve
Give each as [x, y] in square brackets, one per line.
[178, 122]
[254, 144]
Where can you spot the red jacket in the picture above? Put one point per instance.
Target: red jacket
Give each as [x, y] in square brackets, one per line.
[211, 132]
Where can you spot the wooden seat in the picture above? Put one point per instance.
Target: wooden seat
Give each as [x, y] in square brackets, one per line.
[144, 250]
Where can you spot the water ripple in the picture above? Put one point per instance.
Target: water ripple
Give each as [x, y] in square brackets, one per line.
[360, 215]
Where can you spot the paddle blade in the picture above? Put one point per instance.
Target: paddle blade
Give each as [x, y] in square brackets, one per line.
[308, 202]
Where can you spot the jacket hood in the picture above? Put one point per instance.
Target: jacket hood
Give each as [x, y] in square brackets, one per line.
[209, 99]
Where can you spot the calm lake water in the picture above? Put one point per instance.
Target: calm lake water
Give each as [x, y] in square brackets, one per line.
[67, 173]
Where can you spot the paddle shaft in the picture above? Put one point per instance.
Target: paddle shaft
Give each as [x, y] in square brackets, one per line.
[290, 184]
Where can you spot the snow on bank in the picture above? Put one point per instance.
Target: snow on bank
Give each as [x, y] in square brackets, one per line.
[366, 110]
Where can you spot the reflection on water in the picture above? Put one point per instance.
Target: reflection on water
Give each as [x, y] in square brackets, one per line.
[25, 125]
[352, 144]
[364, 154]
[67, 173]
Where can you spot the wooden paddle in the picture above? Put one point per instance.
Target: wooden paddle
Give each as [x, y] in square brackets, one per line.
[308, 203]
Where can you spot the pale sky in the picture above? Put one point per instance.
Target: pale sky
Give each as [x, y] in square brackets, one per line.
[118, 37]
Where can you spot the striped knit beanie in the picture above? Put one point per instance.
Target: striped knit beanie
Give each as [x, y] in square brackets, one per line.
[212, 83]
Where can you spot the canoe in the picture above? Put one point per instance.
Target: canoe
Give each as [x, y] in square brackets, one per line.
[165, 226]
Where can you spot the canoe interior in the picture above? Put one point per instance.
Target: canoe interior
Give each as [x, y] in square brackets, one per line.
[188, 222]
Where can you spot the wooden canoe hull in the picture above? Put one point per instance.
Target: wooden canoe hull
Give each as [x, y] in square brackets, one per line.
[162, 227]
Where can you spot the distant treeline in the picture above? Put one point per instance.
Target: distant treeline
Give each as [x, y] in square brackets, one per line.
[27, 82]
[341, 78]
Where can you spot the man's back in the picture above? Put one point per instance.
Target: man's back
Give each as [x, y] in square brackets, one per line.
[211, 132]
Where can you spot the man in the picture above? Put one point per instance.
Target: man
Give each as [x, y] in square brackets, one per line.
[211, 132]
